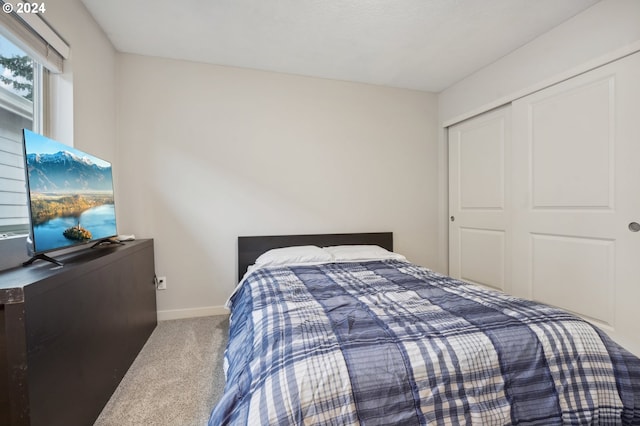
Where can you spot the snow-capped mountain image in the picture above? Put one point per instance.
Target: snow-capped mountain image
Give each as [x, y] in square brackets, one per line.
[64, 171]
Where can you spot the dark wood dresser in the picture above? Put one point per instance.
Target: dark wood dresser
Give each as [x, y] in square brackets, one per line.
[68, 334]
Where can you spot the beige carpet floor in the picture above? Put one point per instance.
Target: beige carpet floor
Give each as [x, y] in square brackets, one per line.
[176, 379]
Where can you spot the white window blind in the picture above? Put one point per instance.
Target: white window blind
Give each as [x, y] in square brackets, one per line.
[36, 37]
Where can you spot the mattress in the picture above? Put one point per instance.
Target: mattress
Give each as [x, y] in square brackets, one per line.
[387, 342]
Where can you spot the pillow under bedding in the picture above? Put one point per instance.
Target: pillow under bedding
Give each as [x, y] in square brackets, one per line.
[347, 253]
[295, 255]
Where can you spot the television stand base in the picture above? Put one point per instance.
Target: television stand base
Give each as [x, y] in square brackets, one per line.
[42, 257]
[107, 242]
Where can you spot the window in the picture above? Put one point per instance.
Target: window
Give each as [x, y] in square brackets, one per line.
[21, 106]
[30, 50]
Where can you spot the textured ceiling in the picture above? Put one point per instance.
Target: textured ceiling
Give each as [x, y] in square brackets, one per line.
[415, 44]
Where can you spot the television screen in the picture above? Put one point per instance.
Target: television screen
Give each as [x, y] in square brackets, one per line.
[70, 195]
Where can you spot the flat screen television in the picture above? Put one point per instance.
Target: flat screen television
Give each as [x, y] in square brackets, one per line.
[70, 197]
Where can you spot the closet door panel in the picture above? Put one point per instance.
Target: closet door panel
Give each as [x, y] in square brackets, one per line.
[479, 248]
[572, 158]
[577, 273]
[575, 178]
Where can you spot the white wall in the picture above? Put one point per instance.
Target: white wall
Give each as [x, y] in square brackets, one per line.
[599, 34]
[91, 68]
[208, 153]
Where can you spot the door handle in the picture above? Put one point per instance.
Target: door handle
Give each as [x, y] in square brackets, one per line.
[634, 227]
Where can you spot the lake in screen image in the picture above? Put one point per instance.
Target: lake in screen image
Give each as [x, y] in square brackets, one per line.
[99, 221]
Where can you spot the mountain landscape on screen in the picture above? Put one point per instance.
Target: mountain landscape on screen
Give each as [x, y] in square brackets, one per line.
[66, 172]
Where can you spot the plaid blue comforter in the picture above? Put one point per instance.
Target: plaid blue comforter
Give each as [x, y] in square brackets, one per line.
[392, 343]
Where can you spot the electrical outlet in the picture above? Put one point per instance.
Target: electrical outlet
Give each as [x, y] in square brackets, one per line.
[161, 283]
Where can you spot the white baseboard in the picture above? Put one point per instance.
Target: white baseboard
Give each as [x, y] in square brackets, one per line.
[172, 314]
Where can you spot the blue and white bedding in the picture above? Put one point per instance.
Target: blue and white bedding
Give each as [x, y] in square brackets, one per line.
[391, 343]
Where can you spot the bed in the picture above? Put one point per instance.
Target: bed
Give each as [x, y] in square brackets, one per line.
[360, 335]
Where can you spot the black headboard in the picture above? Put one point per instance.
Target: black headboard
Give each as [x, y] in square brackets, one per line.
[249, 248]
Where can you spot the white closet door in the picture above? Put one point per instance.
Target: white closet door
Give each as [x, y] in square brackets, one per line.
[576, 189]
[479, 246]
